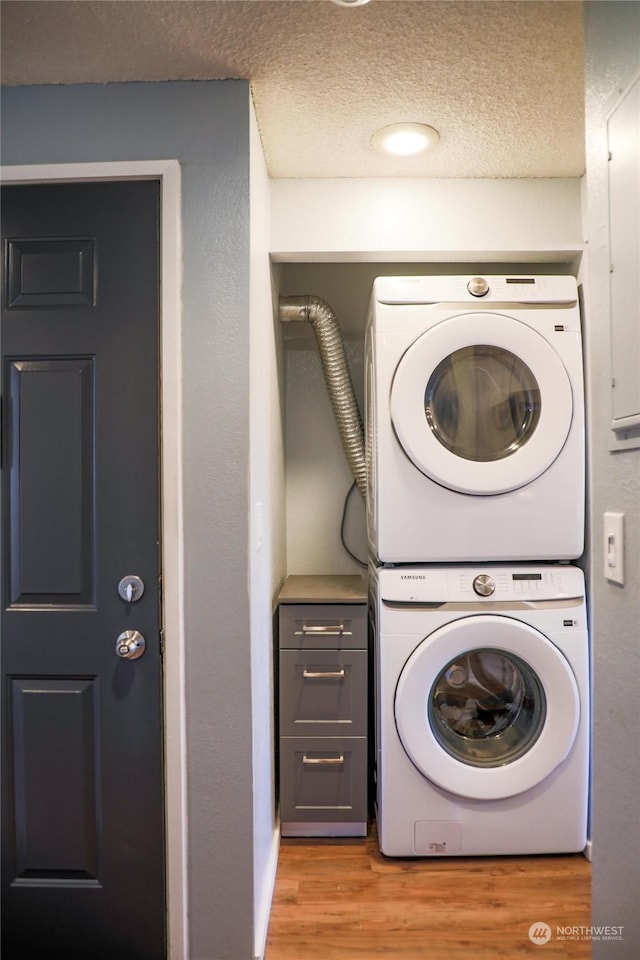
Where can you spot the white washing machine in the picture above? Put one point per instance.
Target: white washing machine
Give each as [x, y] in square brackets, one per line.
[475, 419]
[482, 709]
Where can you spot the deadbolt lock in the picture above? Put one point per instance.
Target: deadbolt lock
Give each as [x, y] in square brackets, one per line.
[131, 589]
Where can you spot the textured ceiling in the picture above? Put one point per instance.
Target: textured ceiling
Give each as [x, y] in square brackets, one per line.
[502, 81]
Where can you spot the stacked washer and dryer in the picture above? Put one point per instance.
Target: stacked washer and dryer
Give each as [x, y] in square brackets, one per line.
[475, 503]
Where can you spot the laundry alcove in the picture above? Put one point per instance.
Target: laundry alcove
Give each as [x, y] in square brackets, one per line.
[317, 475]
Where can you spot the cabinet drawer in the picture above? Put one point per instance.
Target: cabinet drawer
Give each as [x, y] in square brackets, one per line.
[323, 693]
[323, 779]
[323, 625]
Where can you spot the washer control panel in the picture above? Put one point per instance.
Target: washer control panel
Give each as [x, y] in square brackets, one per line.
[487, 583]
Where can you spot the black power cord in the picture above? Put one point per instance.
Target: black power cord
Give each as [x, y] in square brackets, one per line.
[344, 517]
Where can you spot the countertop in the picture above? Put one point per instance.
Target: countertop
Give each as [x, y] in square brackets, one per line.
[322, 588]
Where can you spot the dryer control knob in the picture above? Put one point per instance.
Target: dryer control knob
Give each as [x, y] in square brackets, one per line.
[478, 287]
[484, 585]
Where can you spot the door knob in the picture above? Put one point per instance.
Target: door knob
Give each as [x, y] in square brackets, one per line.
[130, 645]
[131, 589]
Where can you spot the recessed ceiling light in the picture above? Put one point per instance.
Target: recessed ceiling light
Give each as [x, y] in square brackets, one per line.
[405, 139]
[350, 3]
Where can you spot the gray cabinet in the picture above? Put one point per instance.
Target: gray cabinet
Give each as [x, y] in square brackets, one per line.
[322, 705]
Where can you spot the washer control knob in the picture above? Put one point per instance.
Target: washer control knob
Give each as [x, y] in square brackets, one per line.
[478, 287]
[484, 585]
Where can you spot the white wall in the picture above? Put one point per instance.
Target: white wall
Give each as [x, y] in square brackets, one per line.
[267, 542]
[612, 38]
[416, 220]
[459, 227]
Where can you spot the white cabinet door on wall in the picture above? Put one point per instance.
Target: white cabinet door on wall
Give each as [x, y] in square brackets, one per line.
[623, 135]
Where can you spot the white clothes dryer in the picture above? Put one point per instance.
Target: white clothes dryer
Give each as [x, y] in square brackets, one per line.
[482, 709]
[474, 419]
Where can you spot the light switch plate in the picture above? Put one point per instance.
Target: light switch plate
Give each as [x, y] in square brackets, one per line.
[614, 547]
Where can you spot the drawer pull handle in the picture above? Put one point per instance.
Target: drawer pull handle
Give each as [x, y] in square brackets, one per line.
[323, 629]
[326, 675]
[324, 761]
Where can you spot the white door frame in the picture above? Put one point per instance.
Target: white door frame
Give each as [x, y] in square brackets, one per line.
[169, 174]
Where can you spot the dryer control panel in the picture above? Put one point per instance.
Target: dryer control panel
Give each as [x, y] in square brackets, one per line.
[467, 289]
[492, 582]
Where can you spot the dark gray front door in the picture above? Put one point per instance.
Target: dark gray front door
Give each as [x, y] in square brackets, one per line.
[82, 757]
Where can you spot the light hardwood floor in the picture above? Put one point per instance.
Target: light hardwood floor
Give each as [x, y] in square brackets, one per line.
[342, 900]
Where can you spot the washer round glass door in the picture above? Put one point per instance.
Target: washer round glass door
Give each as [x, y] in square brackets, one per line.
[487, 707]
[481, 403]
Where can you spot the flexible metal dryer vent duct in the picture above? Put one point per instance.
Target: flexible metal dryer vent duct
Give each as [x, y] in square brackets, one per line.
[323, 320]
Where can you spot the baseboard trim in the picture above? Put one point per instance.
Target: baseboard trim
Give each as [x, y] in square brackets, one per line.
[263, 909]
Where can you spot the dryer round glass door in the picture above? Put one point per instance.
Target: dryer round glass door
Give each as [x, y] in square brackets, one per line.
[481, 403]
[487, 707]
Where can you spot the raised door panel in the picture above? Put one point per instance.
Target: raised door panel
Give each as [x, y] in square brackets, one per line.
[51, 481]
